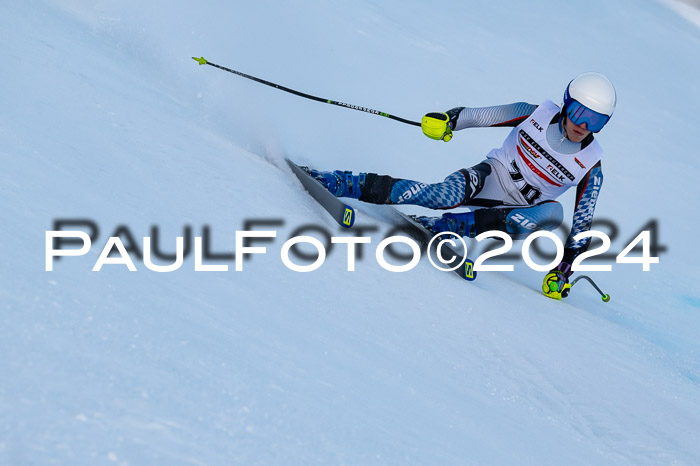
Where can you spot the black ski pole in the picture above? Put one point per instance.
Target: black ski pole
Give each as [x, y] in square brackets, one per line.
[604, 296]
[202, 61]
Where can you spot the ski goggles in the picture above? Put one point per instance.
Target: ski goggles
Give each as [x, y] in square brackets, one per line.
[579, 114]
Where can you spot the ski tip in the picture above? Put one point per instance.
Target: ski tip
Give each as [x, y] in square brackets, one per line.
[348, 217]
[200, 60]
[468, 269]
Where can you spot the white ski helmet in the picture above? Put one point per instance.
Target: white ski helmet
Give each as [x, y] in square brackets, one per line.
[590, 98]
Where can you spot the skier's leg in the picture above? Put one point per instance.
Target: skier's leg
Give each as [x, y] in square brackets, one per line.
[456, 189]
[517, 221]
[383, 189]
[446, 194]
[509, 211]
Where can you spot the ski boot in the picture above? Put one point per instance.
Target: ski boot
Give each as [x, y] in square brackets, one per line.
[340, 183]
[461, 223]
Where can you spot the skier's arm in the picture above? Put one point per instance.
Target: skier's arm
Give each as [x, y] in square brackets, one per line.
[440, 125]
[586, 197]
[556, 283]
[481, 117]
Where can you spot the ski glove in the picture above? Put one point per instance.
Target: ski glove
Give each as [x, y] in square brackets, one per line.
[437, 126]
[556, 283]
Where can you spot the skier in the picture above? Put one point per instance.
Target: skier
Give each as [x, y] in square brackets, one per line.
[549, 151]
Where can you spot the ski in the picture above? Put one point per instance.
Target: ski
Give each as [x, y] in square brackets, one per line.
[342, 213]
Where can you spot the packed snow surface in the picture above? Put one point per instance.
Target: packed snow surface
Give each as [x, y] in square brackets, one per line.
[105, 118]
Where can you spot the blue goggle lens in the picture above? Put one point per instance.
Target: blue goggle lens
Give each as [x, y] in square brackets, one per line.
[579, 114]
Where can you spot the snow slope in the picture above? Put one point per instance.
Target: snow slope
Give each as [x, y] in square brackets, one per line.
[104, 116]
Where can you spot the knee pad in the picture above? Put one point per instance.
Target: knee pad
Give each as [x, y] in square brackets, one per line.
[377, 189]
